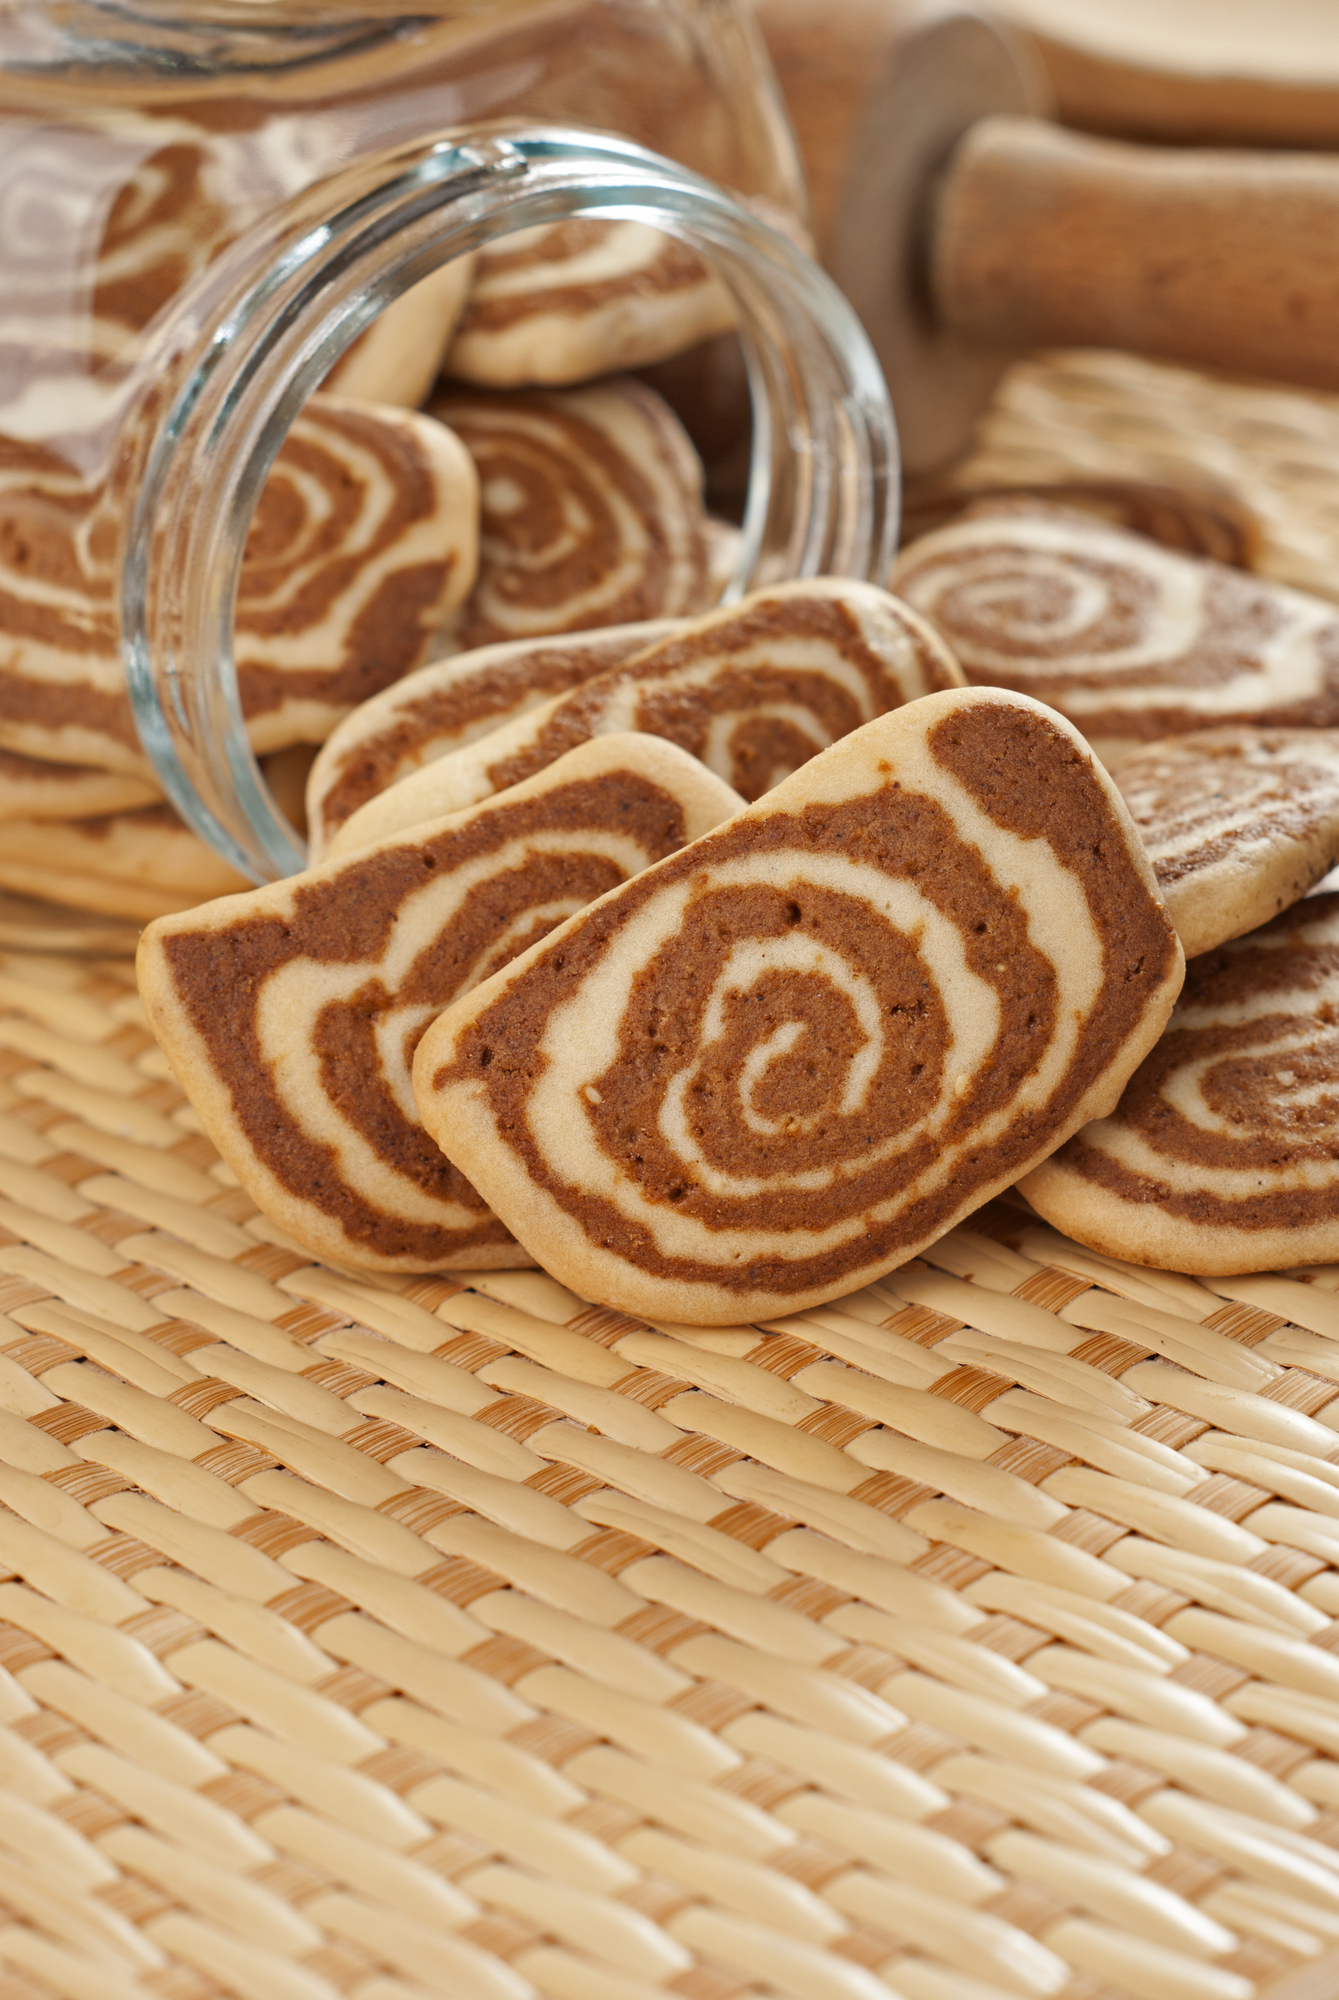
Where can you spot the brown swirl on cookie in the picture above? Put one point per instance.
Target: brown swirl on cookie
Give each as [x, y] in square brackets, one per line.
[364, 536]
[783, 1061]
[291, 1014]
[578, 298]
[592, 511]
[1223, 1154]
[1130, 640]
[448, 704]
[1238, 823]
[754, 692]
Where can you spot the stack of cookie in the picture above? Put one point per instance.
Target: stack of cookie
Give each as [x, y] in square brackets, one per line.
[1220, 1156]
[385, 535]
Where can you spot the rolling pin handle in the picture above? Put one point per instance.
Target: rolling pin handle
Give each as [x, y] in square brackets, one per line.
[1042, 237]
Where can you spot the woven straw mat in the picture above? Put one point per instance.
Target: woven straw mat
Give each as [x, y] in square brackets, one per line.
[977, 1636]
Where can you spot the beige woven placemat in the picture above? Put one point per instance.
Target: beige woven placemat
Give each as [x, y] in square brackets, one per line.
[1072, 415]
[976, 1637]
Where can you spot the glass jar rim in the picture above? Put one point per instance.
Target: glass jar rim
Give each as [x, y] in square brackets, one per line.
[260, 329]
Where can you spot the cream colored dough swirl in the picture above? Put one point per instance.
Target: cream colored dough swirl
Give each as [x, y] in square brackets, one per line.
[779, 1062]
[1225, 1146]
[1129, 639]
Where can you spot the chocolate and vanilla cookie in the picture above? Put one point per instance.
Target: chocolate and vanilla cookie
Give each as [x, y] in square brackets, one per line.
[138, 864]
[1223, 1153]
[1238, 823]
[592, 511]
[446, 705]
[290, 1014]
[782, 1062]
[572, 299]
[755, 691]
[31, 788]
[397, 359]
[364, 537]
[1130, 640]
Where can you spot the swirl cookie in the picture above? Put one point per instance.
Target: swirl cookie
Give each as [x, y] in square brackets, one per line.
[365, 535]
[447, 704]
[138, 864]
[754, 691]
[136, 206]
[592, 512]
[1130, 640]
[578, 298]
[782, 1062]
[291, 1014]
[1238, 823]
[31, 788]
[398, 358]
[1223, 1153]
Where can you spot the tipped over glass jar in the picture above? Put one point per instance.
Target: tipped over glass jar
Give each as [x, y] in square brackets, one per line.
[209, 213]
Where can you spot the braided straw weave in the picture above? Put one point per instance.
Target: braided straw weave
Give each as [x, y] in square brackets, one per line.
[398, 1638]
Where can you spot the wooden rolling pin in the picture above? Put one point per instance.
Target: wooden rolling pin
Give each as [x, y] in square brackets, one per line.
[1047, 238]
[963, 237]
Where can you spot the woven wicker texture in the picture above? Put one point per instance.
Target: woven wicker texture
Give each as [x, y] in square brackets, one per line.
[1109, 416]
[975, 1637]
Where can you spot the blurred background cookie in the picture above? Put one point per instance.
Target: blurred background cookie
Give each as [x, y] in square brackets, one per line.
[1221, 1155]
[1266, 457]
[1238, 823]
[570, 300]
[1131, 640]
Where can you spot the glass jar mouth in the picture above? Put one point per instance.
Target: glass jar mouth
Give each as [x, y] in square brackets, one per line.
[261, 328]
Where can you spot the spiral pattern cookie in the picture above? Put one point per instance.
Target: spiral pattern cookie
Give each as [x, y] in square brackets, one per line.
[291, 1014]
[754, 691]
[1238, 823]
[364, 537]
[447, 704]
[577, 298]
[1130, 640]
[592, 512]
[1223, 1153]
[781, 1062]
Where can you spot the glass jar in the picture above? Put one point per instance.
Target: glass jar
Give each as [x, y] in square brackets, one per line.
[202, 208]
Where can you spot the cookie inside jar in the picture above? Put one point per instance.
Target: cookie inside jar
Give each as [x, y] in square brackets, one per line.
[142, 162]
